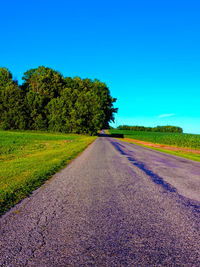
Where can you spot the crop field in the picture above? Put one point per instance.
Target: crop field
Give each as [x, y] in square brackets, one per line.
[174, 139]
[27, 159]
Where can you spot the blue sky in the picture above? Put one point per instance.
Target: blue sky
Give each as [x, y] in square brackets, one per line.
[147, 51]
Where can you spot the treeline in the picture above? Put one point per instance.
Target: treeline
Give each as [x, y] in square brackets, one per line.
[49, 101]
[168, 128]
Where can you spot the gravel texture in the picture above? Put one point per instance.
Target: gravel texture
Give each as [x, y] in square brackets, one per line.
[117, 204]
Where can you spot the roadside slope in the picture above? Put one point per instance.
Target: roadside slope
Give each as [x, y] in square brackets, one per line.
[27, 159]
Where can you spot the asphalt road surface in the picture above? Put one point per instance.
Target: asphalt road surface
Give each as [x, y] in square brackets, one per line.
[117, 204]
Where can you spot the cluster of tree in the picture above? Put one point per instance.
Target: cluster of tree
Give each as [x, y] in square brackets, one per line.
[48, 101]
[168, 128]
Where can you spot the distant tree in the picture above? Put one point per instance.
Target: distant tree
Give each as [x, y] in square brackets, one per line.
[168, 128]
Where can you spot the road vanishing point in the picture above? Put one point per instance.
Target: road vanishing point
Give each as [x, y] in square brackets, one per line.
[117, 204]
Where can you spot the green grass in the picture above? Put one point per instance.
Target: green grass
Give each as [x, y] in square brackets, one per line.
[174, 139]
[27, 159]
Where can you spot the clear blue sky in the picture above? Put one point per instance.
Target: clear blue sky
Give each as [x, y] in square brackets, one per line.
[147, 51]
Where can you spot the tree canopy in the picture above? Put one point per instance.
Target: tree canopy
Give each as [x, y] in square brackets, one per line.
[49, 101]
[5, 78]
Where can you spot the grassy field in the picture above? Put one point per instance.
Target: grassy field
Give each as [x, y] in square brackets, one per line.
[27, 159]
[189, 141]
[175, 139]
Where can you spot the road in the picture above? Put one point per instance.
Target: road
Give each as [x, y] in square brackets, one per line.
[117, 204]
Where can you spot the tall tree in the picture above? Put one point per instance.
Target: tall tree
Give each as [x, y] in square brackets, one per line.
[48, 101]
[41, 86]
[5, 78]
[44, 81]
[12, 108]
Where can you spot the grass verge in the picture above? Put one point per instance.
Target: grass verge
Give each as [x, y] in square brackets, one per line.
[28, 159]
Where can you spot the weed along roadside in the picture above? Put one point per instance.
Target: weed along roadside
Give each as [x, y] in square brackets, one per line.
[28, 159]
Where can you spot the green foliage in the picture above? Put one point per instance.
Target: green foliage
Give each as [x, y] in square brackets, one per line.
[176, 139]
[168, 128]
[44, 81]
[12, 108]
[5, 78]
[48, 101]
[27, 159]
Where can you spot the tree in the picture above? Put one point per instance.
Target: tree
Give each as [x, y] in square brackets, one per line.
[106, 102]
[12, 110]
[168, 128]
[41, 86]
[87, 115]
[44, 81]
[13, 114]
[48, 101]
[58, 112]
[5, 78]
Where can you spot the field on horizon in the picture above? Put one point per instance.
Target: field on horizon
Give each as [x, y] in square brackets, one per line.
[174, 139]
[29, 158]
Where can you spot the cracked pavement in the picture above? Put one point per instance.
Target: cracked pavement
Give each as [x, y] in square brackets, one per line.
[117, 204]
